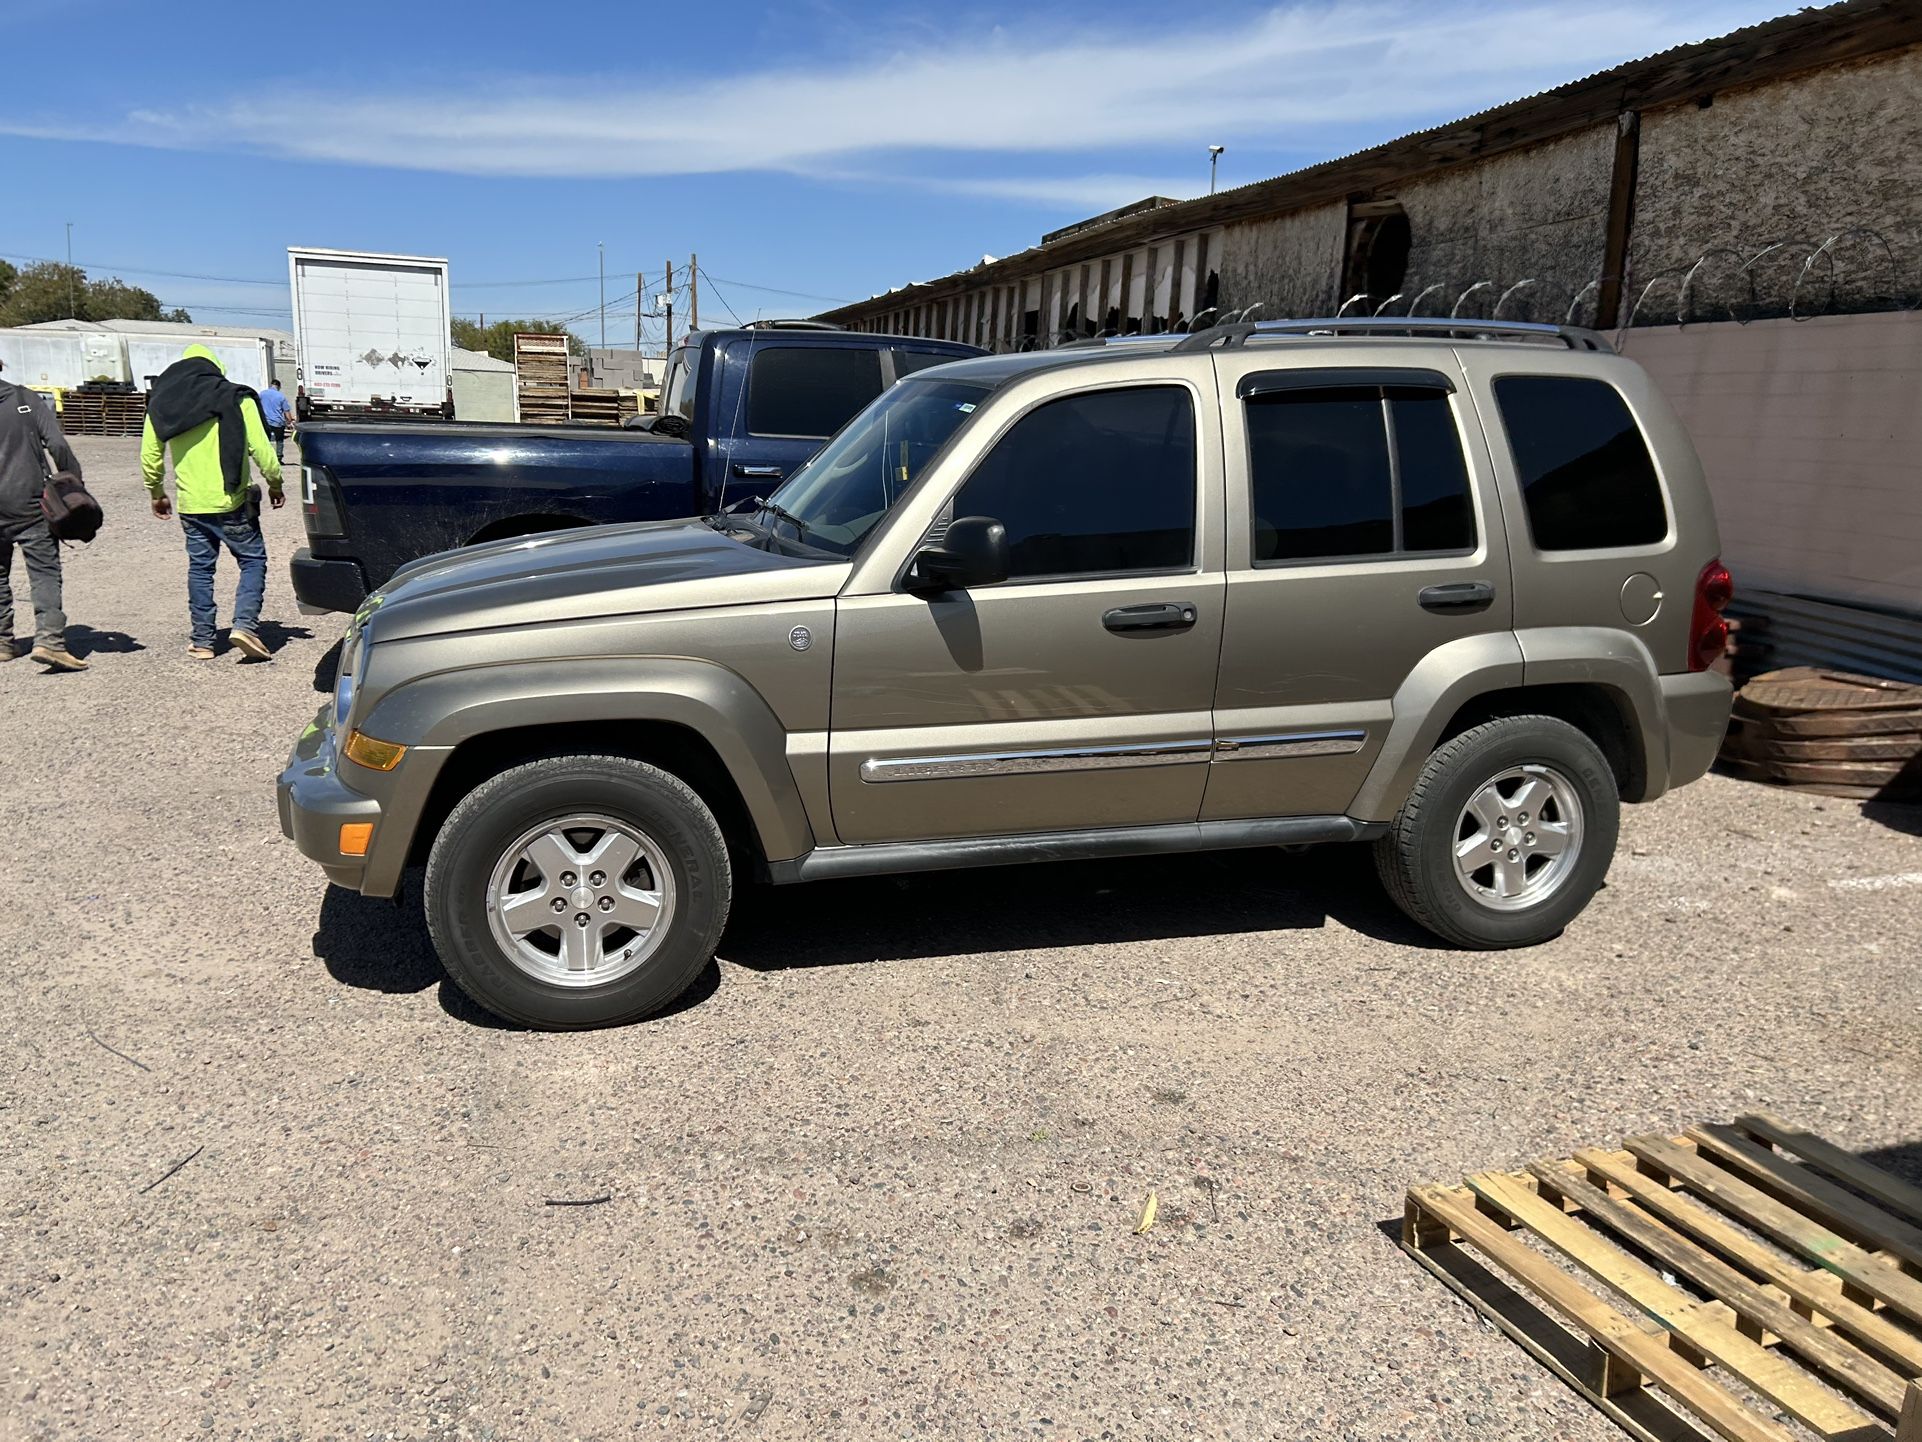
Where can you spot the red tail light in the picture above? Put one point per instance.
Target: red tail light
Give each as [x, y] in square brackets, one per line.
[1708, 627]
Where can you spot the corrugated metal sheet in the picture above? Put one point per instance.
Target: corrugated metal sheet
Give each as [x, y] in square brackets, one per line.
[1780, 630]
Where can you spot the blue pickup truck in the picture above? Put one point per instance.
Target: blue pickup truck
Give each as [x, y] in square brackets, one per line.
[739, 410]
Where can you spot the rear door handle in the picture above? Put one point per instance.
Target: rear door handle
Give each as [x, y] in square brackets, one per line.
[1162, 616]
[1458, 597]
[757, 473]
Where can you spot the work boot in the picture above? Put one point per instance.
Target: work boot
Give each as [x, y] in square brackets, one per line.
[57, 658]
[7, 653]
[248, 644]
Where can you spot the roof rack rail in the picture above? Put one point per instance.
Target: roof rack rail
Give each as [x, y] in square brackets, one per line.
[1459, 328]
[792, 325]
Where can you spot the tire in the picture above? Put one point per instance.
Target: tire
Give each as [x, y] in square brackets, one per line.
[1498, 906]
[514, 838]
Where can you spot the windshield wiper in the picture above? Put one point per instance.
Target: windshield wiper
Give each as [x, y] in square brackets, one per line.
[800, 526]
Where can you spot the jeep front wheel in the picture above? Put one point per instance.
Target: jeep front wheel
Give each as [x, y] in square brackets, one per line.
[578, 891]
[1507, 834]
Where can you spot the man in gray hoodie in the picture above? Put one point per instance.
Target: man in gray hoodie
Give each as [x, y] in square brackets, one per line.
[28, 432]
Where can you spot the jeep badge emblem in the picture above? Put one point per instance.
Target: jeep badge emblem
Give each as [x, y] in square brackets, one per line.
[800, 638]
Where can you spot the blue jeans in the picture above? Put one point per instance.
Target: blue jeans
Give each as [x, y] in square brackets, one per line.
[239, 531]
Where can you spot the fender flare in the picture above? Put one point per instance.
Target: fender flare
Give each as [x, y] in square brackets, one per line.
[1443, 681]
[1452, 675]
[1614, 660]
[446, 708]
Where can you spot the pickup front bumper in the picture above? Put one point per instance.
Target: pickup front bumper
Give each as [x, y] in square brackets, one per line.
[324, 584]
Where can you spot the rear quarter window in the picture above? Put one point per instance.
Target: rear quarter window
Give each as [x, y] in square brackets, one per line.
[1588, 482]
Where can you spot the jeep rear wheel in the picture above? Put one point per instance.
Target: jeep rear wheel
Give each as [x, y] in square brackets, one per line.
[1507, 834]
[578, 891]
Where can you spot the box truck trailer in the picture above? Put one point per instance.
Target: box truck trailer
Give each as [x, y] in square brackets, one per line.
[64, 360]
[372, 332]
[247, 360]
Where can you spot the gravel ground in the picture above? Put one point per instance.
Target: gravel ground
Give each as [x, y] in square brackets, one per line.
[879, 1176]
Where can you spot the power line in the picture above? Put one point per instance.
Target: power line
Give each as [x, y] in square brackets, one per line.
[773, 290]
[731, 313]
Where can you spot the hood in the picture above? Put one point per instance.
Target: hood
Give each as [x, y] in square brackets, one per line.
[591, 572]
[200, 352]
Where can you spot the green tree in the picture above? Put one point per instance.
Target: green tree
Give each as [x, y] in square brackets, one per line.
[49, 290]
[497, 339]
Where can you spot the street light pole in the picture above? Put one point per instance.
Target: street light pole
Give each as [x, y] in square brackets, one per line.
[73, 310]
[1214, 159]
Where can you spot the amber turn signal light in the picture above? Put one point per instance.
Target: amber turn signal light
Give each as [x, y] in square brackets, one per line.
[364, 750]
[354, 837]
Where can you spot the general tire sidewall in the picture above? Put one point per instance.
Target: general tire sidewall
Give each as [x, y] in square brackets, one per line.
[489, 819]
[1548, 743]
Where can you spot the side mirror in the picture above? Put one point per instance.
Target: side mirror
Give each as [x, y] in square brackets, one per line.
[973, 553]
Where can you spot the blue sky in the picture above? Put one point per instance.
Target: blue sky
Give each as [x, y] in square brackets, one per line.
[828, 149]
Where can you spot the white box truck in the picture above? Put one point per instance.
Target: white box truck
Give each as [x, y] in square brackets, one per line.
[373, 333]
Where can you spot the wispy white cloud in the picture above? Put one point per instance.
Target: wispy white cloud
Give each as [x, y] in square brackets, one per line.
[1030, 91]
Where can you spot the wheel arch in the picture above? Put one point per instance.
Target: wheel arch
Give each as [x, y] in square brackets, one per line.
[700, 721]
[1601, 681]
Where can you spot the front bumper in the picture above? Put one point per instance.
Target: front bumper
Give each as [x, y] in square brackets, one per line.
[315, 803]
[1697, 707]
[324, 584]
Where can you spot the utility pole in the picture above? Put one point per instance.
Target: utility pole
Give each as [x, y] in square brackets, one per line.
[1214, 159]
[693, 291]
[73, 308]
[601, 246]
[668, 290]
[640, 303]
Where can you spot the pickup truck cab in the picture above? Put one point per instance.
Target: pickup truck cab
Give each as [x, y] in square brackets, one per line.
[1447, 587]
[740, 410]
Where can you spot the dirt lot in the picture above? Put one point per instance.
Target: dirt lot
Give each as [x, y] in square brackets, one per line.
[880, 1175]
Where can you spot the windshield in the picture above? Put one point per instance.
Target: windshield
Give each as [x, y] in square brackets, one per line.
[833, 501]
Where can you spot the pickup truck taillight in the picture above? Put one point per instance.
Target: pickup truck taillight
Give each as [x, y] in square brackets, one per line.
[1708, 627]
[320, 504]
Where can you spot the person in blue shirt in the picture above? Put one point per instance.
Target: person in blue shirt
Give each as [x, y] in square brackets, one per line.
[274, 411]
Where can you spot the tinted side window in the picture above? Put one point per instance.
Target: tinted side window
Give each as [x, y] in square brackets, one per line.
[1435, 511]
[1324, 474]
[809, 390]
[1093, 483]
[1587, 479]
[907, 362]
[1322, 486]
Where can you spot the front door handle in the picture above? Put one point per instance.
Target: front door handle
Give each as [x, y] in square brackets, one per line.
[1162, 616]
[1458, 597]
[757, 473]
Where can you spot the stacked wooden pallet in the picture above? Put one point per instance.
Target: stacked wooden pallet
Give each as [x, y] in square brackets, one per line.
[1831, 732]
[1758, 1288]
[540, 378]
[598, 408]
[102, 413]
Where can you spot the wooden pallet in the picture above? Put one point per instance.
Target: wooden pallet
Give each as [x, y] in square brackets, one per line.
[599, 408]
[103, 413]
[1762, 1274]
